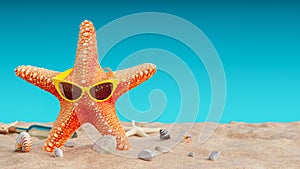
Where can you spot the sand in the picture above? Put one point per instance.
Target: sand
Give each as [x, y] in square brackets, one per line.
[241, 145]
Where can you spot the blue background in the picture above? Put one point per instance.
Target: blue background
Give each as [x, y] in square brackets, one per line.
[258, 44]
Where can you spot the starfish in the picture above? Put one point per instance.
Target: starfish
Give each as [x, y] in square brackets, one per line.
[86, 72]
[139, 131]
[5, 129]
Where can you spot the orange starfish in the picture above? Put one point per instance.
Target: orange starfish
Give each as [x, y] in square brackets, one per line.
[86, 73]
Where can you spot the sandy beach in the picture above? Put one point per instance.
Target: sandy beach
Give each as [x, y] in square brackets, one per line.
[241, 145]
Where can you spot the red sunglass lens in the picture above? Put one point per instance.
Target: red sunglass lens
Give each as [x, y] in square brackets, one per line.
[101, 91]
[69, 91]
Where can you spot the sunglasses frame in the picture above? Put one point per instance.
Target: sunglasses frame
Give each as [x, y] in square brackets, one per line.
[60, 78]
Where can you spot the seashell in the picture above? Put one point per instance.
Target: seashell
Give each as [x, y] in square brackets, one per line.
[58, 152]
[163, 149]
[8, 128]
[214, 155]
[164, 134]
[12, 129]
[3, 131]
[69, 144]
[187, 139]
[105, 144]
[146, 155]
[23, 142]
[191, 154]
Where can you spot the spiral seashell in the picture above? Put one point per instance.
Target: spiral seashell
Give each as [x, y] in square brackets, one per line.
[146, 155]
[58, 152]
[23, 142]
[164, 134]
[105, 144]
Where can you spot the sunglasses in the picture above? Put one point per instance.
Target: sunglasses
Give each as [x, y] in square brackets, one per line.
[72, 92]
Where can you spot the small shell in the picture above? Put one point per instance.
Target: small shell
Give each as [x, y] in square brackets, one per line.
[146, 155]
[163, 149]
[187, 139]
[214, 155]
[12, 129]
[105, 144]
[58, 152]
[191, 154]
[164, 134]
[23, 142]
[3, 131]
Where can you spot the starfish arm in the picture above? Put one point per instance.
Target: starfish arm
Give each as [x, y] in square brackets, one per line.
[132, 77]
[107, 123]
[130, 132]
[151, 130]
[141, 133]
[63, 128]
[39, 77]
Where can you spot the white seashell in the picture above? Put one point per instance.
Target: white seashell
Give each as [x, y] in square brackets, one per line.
[163, 149]
[214, 155]
[105, 144]
[23, 142]
[58, 152]
[146, 155]
[164, 134]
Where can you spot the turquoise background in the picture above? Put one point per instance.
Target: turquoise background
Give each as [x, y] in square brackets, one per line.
[258, 44]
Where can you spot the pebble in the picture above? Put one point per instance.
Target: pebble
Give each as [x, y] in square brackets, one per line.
[163, 149]
[214, 155]
[191, 154]
[105, 144]
[146, 155]
[69, 144]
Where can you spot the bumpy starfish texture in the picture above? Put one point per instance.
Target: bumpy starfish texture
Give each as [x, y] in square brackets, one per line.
[87, 72]
[139, 131]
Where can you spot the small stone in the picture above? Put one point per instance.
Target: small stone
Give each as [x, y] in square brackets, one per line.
[69, 144]
[162, 149]
[105, 144]
[146, 155]
[214, 155]
[191, 154]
